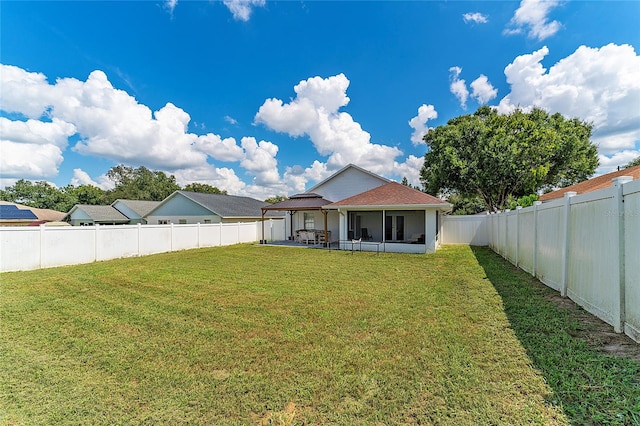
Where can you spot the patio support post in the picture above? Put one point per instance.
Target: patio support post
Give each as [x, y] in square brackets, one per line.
[262, 241]
[291, 212]
[326, 235]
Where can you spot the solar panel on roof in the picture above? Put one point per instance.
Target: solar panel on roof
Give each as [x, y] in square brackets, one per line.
[12, 212]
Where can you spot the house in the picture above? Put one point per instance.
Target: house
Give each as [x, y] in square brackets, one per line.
[135, 210]
[88, 215]
[13, 214]
[594, 184]
[356, 205]
[195, 207]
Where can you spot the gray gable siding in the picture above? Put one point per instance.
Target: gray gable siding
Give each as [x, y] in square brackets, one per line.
[347, 183]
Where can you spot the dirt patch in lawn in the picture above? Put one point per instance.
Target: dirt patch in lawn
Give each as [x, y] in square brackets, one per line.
[597, 333]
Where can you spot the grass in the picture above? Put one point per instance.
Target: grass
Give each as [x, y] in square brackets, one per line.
[267, 335]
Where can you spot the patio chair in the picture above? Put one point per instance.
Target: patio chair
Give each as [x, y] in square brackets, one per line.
[364, 234]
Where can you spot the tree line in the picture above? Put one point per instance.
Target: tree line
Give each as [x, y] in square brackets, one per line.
[130, 183]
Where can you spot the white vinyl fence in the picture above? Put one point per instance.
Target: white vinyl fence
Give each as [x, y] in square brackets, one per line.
[586, 246]
[25, 247]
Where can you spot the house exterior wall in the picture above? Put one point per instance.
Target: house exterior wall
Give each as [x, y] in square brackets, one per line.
[80, 217]
[346, 184]
[180, 208]
[134, 218]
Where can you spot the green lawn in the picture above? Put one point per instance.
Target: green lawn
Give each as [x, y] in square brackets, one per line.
[274, 335]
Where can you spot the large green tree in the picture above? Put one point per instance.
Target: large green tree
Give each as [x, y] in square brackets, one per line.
[41, 195]
[140, 184]
[500, 157]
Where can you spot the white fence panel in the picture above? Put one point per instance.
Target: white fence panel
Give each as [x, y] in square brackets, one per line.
[155, 239]
[114, 242]
[631, 192]
[184, 237]
[550, 229]
[68, 246]
[511, 235]
[210, 234]
[20, 248]
[593, 254]
[472, 230]
[526, 239]
[247, 232]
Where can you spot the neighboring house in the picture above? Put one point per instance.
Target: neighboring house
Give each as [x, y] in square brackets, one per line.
[367, 208]
[88, 215]
[11, 215]
[594, 184]
[135, 210]
[33, 216]
[195, 207]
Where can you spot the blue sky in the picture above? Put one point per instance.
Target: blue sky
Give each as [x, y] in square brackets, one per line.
[264, 98]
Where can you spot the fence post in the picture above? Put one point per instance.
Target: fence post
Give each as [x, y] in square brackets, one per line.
[564, 280]
[171, 228]
[139, 236]
[198, 234]
[619, 314]
[536, 204]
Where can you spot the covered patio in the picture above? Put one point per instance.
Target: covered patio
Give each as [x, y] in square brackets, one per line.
[309, 221]
[391, 218]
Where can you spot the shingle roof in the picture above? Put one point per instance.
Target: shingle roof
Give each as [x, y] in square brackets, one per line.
[228, 206]
[304, 201]
[141, 207]
[390, 194]
[599, 182]
[102, 213]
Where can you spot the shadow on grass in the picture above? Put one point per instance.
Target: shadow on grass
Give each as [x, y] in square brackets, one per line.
[593, 388]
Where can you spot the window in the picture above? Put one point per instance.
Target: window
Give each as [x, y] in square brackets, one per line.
[182, 221]
[207, 221]
[163, 222]
[309, 221]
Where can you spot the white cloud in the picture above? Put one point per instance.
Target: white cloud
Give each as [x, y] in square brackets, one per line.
[597, 85]
[241, 9]
[80, 177]
[419, 123]
[532, 17]
[475, 17]
[482, 90]
[458, 87]
[29, 161]
[112, 124]
[619, 159]
[32, 149]
[230, 120]
[221, 149]
[314, 112]
[410, 169]
[220, 177]
[170, 5]
[260, 160]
